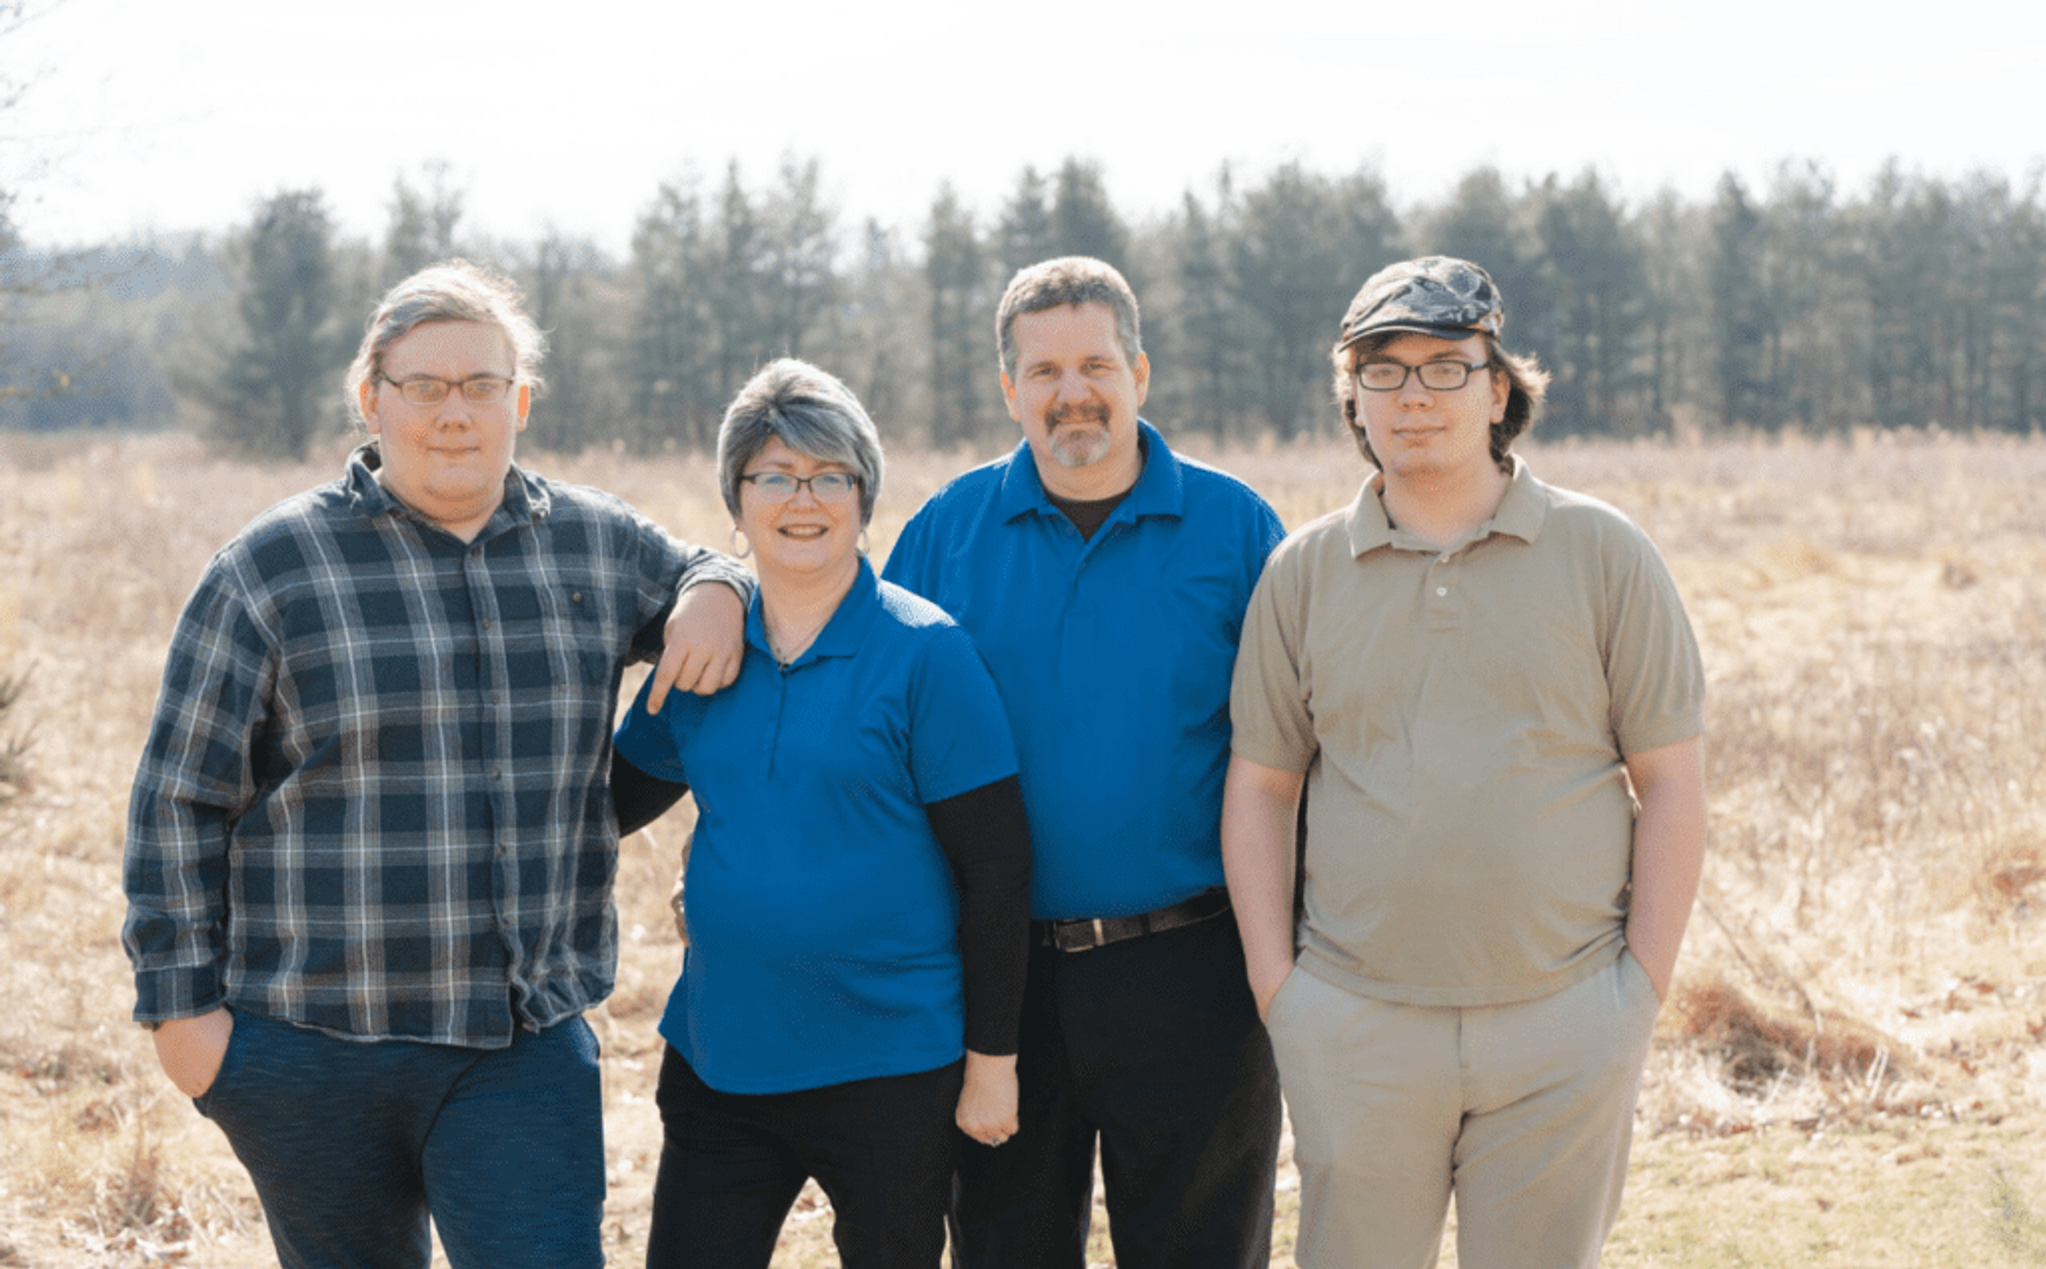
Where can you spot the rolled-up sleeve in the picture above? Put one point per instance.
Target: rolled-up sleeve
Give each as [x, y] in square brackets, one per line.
[196, 777]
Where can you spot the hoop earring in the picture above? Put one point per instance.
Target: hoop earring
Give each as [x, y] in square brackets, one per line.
[741, 545]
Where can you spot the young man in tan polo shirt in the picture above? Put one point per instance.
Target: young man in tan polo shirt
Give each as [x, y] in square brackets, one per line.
[1491, 695]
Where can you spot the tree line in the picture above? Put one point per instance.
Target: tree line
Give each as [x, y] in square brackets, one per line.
[1913, 301]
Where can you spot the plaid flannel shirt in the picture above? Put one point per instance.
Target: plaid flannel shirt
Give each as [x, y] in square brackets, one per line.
[374, 798]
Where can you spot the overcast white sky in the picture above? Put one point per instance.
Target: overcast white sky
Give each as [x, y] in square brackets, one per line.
[167, 115]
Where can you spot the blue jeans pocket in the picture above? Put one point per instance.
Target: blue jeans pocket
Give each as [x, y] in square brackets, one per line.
[237, 1040]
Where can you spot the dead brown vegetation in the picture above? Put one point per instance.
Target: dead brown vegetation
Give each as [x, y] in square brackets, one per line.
[1869, 948]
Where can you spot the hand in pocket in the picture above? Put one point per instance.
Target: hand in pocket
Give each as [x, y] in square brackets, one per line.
[190, 1049]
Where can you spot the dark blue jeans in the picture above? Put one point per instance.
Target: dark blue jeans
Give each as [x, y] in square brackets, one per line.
[882, 1149]
[1152, 1047]
[353, 1146]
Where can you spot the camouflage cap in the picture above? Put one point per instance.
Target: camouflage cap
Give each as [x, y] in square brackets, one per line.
[1432, 295]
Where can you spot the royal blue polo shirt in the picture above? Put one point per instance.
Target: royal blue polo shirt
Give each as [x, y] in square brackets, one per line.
[823, 925]
[1113, 656]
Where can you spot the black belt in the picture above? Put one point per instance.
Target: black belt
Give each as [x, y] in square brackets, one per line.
[1086, 933]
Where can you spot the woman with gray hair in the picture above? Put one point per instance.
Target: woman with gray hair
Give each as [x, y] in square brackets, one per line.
[857, 888]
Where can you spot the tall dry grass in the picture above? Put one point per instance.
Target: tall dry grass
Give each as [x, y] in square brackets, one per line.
[1868, 946]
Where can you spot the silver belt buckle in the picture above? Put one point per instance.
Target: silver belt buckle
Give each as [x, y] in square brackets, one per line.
[1100, 937]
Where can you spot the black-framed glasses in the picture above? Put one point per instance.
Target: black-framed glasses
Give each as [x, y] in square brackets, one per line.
[825, 486]
[1436, 376]
[427, 390]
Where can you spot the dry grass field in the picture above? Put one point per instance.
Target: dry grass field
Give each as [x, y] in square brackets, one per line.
[1851, 1072]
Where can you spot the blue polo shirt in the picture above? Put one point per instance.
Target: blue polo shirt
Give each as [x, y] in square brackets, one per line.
[823, 925]
[1113, 657]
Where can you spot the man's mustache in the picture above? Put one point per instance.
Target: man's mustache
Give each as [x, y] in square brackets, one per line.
[1076, 412]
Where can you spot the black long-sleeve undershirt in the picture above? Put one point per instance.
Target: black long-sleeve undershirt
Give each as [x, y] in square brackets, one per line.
[985, 837]
[639, 798]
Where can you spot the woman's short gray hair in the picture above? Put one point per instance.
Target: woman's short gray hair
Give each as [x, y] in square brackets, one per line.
[451, 291]
[807, 409]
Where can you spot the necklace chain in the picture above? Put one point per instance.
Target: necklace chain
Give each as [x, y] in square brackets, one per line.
[786, 651]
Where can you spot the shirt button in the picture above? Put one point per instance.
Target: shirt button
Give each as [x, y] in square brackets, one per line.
[1442, 590]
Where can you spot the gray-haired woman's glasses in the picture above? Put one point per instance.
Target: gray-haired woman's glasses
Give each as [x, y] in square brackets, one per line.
[825, 486]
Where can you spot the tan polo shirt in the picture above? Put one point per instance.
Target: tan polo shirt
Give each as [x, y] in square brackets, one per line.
[1461, 716]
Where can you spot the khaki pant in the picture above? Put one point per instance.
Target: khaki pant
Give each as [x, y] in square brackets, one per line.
[1523, 1111]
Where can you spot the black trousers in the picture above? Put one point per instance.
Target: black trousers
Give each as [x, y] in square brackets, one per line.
[732, 1164]
[1152, 1047]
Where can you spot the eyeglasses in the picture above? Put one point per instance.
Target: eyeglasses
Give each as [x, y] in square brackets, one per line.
[426, 390]
[825, 486]
[1436, 376]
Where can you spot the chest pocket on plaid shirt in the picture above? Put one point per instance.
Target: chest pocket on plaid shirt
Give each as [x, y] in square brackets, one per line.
[559, 636]
[593, 641]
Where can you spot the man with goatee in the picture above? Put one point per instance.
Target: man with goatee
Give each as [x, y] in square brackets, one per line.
[1105, 579]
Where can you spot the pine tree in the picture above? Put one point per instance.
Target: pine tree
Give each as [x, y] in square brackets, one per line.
[279, 385]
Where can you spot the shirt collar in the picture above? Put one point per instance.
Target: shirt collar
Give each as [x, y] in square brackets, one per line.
[1525, 506]
[842, 636]
[526, 497]
[1160, 489]
[1521, 512]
